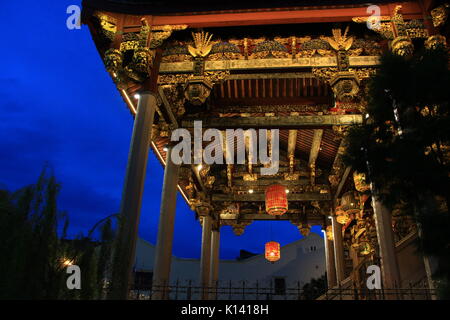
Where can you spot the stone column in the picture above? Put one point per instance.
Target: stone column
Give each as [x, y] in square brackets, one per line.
[132, 197]
[163, 252]
[338, 249]
[329, 261]
[215, 259]
[205, 261]
[385, 235]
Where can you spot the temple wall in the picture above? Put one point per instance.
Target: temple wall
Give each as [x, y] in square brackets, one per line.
[300, 261]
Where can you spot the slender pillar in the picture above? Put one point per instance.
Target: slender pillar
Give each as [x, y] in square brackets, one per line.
[163, 252]
[338, 249]
[389, 266]
[329, 261]
[205, 261]
[428, 269]
[132, 197]
[214, 266]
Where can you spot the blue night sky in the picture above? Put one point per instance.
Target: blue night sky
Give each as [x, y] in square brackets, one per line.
[59, 105]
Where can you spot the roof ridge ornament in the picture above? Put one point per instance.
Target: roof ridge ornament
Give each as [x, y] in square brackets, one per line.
[202, 42]
[339, 41]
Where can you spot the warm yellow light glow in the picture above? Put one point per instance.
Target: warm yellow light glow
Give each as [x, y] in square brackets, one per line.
[250, 191]
[287, 190]
[67, 262]
[199, 167]
[130, 103]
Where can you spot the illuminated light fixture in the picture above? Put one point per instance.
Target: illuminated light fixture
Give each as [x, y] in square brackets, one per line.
[276, 200]
[199, 167]
[67, 262]
[250, 190]
[287, 190]
[329, 217]
[272, 251]
[367, 116]
[137, 96]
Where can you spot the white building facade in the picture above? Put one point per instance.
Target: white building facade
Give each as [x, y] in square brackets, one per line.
[300, 262]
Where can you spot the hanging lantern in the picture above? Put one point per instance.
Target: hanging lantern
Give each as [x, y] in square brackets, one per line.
[272, 251]
[276, 200]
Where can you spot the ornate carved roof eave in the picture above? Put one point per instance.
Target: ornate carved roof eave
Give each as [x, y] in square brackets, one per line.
[343, 12]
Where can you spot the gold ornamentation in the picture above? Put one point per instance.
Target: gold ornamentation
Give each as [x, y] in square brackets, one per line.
[161, 33]
[329, 233]
[175, 97]
[141, 64]
[210, 181]
[339, 41]
[402, 46]
[291, 176]
[204, 170]
[435, 41]
[359, 180]
[108, 25]
[440, 14]
[304, 229]
[197, 90]
[250, 177]
[216, 76]
[202, 44]
[345, 86]
[202, 207]
[113, 61]
[173, 78]
[399, 23]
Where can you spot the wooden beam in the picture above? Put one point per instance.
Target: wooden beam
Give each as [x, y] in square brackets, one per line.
[267, 64]
[276, 122]
[268, 182]
[342, 182]
[292, 142]
[167, 109]
[261, 197]
[315, 148]
[311, 218]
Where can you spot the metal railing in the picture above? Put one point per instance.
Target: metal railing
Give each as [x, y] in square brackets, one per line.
[243, 290]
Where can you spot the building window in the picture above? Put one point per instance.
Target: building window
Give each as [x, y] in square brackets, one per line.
[280, 286]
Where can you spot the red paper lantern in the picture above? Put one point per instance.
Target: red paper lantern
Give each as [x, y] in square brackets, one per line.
[272, 251]
[276, 200]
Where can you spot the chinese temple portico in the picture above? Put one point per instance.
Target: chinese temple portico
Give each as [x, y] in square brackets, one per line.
[289, 69]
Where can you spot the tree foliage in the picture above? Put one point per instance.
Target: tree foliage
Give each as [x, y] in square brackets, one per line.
[315, 288]
[404, 146]
[33, 252]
